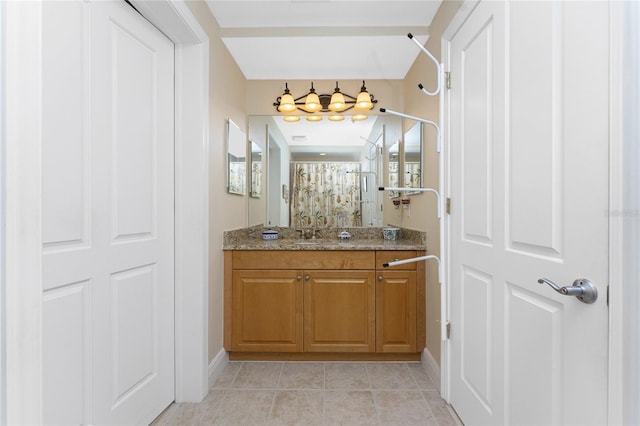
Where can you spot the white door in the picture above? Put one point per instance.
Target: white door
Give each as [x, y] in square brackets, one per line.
[529, 189]
[107, 144]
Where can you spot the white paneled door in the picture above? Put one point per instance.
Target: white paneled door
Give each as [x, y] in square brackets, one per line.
[529, 188]
[108, 224]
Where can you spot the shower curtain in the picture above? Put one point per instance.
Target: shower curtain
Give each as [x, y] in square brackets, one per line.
[325, 195]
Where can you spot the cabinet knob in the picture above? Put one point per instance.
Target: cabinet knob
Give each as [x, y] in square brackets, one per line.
[379, 277]
[299, 278]
[307, 277]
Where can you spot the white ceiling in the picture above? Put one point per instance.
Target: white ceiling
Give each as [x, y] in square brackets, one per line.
[326, 136]
[324, 40]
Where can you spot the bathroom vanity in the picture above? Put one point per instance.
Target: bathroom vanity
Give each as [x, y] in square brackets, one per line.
[323, 299]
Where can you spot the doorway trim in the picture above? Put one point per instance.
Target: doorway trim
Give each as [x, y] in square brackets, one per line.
[624, 242]
[21, 192]
[176, 21]
[445, 48]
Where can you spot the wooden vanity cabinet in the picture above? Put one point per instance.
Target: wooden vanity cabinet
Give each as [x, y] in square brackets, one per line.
[266, 311]
[323, 302]
[396, 303]
[339, 311]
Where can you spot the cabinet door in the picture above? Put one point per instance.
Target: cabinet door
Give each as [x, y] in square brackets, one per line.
[267, 311]
[339, 311]
[396, 311]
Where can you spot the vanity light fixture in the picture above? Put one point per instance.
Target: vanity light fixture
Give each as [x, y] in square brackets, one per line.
[291, 118]
[313, 103]
[287, 104]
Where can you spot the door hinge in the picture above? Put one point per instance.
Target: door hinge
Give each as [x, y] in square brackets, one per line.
[447, 79]
[448, 330]
[448, 205]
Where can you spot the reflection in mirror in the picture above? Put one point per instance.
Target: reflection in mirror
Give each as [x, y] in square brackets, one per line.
[332, 171]
[236, 159]
[413, 158]
[256, 170]
[325, 195]
[394, 169]
[370, 181]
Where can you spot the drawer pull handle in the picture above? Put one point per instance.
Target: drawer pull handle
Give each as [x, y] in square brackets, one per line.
[307, 278]
[299, 278]
[379, 277]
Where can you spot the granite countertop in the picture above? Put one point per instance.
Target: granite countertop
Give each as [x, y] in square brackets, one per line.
[327, 239]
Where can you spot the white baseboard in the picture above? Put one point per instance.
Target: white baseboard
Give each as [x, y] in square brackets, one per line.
[216, 366]
[432, 367]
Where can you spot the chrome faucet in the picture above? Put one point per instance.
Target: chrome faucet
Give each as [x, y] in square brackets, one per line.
[307, 233]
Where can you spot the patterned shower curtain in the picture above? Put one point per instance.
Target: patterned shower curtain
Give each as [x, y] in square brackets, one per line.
[325, 195]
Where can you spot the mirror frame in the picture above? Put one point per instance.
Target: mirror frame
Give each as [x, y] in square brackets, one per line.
[236, 159]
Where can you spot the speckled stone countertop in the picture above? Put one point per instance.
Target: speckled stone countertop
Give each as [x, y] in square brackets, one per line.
[326, 239]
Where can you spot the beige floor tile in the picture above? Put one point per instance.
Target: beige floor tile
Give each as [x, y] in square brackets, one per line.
[420, 375]
[390, 375]
[302, 375]
[185, 414]
[316, 393]
[225, 380]
[244, 407]
[298, 407]
[403, 408]
[263, 375]
[161, 420]
[211, 404]
[350, 407]
[346, 376]
[440, 408]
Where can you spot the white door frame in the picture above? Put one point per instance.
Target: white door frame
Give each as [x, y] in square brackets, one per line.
[624, 295]
[624, 345]
[20, 39]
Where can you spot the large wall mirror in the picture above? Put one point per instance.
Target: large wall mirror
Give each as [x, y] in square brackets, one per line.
[412, 168]
[323, 174]
[236, 159]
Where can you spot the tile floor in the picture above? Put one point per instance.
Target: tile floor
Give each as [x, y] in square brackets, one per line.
[316, 393]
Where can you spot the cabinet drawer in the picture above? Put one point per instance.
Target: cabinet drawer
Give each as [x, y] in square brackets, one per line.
[391, 255]
[303, 259]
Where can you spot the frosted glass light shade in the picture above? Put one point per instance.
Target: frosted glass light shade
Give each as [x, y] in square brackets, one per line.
[287, 104]
[337, 102]
[312, 103]
[363, 103]
[291, 118]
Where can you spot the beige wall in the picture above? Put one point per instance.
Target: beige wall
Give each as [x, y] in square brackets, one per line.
[227, 94]
[424, 206]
